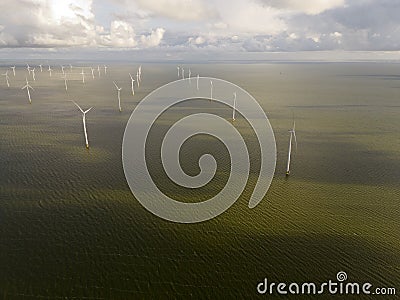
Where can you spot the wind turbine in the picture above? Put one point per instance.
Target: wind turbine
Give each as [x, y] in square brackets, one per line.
[140, 73]
[83, 76]
[234, 106]
[178, 71]
[50, 70]
[190, 75]
[27, 87]
[6, 75]
[13, 68]
[41, 68]
[137, 78]
[119, 95]
[33, 74]
[92, 72]
[292, 135]
[98, 70]
[70, 67]
[211, 89]
[84, 122]
[65, 81]
[197, 82]
[183, 73]
[29, 69]
[105, 70]
[132, 80]
[62, 69]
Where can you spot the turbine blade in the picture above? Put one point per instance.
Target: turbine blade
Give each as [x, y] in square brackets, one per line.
[295, 139]
[78, 106]
[116, 85]
[86, 111]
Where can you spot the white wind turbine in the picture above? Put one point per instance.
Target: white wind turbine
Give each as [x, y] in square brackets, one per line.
[119, 95]
[234, 106]
[105, 70]
[29, 69]
[211, 89]
[178, 71]
[65, 81]
[197, 81]
[84, 123]
[98, 70]
[50, 70]
[140, 73]
[62, 69]
[137, 78]
[33, 74]
[183, 73]
[190, 75]
[83, 76]
[13, 68]
[292, 135]
[6, 75]
[91, 69]
[132, 85]
[27, 87]
[41, 68]
[70, 67]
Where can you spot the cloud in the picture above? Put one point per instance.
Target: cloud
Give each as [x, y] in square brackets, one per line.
[45, 23]
[309, 7]
[184, 10]
[220, 25]
[153, 39]
[121, 35]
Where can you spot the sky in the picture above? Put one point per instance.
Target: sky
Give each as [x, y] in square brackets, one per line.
[196, 26]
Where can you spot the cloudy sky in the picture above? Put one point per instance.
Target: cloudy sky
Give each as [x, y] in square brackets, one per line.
[196, 25]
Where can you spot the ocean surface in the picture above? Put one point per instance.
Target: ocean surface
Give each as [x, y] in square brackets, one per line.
[70, 228]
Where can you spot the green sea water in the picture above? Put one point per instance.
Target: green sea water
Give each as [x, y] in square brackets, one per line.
[70, 227]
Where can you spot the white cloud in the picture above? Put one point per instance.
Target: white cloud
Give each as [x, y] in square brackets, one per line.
[122, 34]
[199, 40]
[184, 10]
[153, 39]
[220, 25]
[6, 39]
[309, 7]
[251, 25]
[250, 17]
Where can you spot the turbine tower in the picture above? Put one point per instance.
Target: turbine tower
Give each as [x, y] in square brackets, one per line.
[7, 77]
[65, 81]
[292, 135]
[27, 87]
[119, 96]
[84, 123]
[83, 76]
[132, 84]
